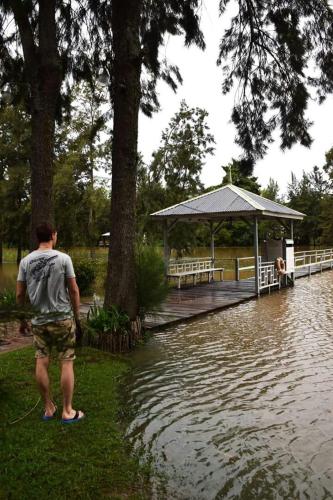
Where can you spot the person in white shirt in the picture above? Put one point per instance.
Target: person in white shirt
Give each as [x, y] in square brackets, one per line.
[48, 277]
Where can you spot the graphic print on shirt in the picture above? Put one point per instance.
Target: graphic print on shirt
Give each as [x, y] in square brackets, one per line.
[41, 267]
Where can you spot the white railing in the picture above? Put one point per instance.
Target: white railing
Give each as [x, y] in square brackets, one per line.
[310, 258]
[268, 275]
[241, 265]
[190, 266]
[184, 260]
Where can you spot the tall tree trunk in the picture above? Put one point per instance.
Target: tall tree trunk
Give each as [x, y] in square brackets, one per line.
[44, 73]
[121, 277]
[91, 219]
[42, 150]
[1, 249]
[1, 233]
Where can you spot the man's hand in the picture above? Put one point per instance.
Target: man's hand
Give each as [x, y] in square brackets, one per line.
[74, 294]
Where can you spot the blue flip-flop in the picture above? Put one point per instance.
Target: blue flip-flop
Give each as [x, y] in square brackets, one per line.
[73, 420]
[51, 417]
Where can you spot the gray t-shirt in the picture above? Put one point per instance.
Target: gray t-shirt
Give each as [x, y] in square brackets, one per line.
[45, 273]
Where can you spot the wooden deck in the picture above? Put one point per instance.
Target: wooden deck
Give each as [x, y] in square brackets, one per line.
[193, 301]
[190, 302]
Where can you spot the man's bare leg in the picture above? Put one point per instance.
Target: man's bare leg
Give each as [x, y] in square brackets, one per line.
[67, 386]
[43, 382]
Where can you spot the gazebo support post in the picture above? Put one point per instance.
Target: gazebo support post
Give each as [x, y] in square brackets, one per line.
[256, 254]
[212, 243]
[166, 248]
[292, 238]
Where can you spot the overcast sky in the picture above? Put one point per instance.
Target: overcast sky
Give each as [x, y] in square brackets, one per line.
[202, 88]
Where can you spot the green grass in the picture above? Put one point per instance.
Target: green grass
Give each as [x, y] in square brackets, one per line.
[90, 459]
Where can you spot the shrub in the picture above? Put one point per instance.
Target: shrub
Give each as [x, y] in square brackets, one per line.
[85, 270]
[109, 330]
[101, 270]
[7, 298]
[151, 284]
[10, 311]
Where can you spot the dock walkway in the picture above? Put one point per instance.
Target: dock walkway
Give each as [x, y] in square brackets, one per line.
[201, 299]
[193, 301]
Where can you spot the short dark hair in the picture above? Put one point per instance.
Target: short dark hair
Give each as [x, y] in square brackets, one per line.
[44, 232]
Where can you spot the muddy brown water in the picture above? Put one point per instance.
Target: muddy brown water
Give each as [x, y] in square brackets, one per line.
[239, 404]
[8, 273]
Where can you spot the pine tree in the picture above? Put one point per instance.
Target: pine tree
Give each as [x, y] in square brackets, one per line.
[39, 48]
[267, 52]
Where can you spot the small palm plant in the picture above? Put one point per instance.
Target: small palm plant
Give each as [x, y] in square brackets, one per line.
[109, 329]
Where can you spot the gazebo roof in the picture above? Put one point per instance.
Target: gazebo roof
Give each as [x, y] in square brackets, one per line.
[227, 202]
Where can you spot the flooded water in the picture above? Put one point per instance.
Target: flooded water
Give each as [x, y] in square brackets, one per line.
[8, 274]
[8, 271]
[239, 404]
[225, 257]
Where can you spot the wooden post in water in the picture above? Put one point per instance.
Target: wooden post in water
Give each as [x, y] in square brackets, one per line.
[256, 254]
[237, 268]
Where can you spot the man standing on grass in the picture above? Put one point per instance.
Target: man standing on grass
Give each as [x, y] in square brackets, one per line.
[49, 278]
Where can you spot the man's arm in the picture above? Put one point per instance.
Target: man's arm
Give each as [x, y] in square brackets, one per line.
[21, 289]
[74, 294]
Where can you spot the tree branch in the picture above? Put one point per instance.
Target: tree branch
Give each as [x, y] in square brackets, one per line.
[26, 35]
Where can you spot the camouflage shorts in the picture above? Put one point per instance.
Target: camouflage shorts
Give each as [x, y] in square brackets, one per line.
[60, 334]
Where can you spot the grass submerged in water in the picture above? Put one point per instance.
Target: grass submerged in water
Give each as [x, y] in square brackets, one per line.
[89, 459]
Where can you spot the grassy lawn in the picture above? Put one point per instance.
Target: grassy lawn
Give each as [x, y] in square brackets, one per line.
[90, 459]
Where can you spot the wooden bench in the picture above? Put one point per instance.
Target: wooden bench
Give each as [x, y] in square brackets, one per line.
[195, 269]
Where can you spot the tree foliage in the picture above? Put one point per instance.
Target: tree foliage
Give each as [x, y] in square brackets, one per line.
[185, 145]
[310, 195]
[268, 53]
[174, 173]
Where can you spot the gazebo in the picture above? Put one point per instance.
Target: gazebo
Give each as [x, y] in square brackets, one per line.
[225, 204]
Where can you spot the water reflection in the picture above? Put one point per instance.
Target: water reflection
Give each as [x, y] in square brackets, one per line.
[239, 404]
